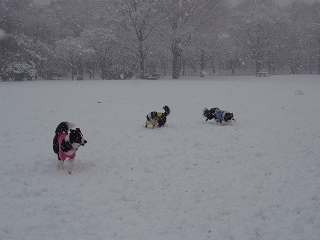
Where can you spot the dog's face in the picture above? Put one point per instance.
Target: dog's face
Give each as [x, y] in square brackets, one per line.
[228, 116]
[76, 138]
[154, 115]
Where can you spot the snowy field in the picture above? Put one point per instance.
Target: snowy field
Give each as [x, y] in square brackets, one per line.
[258, 178]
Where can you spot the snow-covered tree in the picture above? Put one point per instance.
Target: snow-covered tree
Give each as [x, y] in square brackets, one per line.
[25, 41]
[19, 71]
[254, 28]
[137, 20]
[211, 42]
[73, 16]
[183, 20]
[316, 31]
[73, 51]
[304, 40]
[103, 43]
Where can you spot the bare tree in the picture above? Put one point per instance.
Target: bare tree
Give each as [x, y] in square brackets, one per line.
[138, 20]
[254, 28]
[184, 19]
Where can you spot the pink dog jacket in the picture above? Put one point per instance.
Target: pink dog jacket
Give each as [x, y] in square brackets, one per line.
[62, 154]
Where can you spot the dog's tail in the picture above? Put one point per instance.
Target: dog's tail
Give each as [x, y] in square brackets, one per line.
[62, 127]
[166, 110]
[209, 113]
[205, 112]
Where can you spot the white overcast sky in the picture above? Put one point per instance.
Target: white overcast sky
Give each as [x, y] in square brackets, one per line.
[234, 2]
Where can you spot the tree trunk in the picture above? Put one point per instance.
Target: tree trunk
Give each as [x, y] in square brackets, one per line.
[202, 63]
[183, 67]
[164, 66]
[213, 65]
[176, 62]
[80, 68]
[258, 65]
[103, 68]
[90, 69]
[141, 60]
[72, 66]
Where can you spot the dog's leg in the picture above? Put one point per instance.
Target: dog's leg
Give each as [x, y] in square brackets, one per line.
[154, 123]
[71, 165]
[61, 164]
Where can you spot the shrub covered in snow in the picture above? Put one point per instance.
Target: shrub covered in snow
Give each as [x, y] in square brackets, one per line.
[18, 71]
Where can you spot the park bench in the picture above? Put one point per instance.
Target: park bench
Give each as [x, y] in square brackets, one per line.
[154, 76]
[262, 74]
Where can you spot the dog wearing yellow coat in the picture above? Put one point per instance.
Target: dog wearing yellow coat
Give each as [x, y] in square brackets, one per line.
[157, 118]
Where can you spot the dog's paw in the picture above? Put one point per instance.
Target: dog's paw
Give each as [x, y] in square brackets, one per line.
[231, 121]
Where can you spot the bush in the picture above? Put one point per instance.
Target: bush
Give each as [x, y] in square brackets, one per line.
[19, 71]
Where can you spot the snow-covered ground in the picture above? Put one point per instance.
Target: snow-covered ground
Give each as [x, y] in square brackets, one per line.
[258, 178]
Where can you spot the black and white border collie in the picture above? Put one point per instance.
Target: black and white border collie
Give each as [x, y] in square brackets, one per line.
[65, 143]
[157, 118]
[220, 116]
